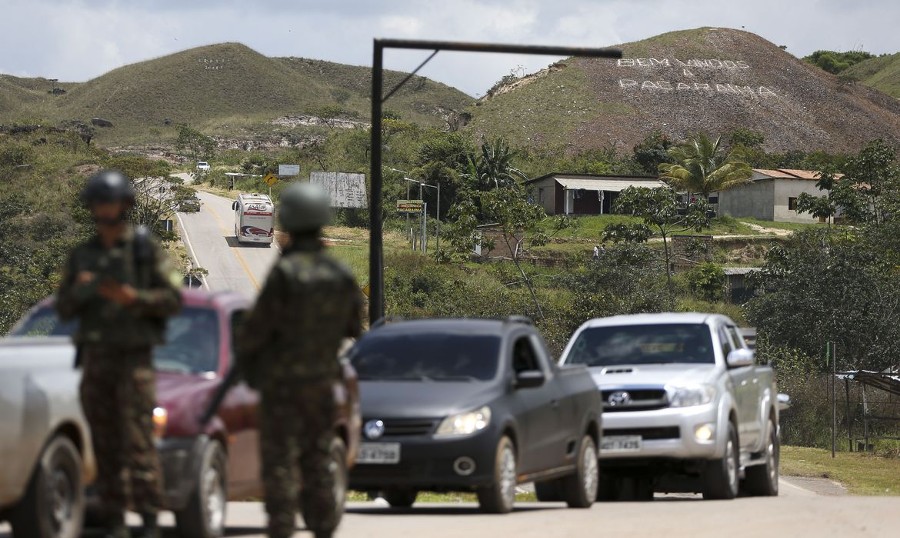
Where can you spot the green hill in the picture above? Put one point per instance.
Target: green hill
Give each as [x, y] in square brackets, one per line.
[227, 90]
[708, 79]
[881, 73]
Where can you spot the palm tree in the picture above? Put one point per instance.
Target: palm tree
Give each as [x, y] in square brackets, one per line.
[703, 166]
[493, 168]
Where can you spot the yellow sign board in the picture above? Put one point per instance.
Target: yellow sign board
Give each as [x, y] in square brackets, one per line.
[365, 290]
[410, 206]
[270, 179]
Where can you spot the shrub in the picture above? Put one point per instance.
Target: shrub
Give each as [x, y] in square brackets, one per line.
[707, 282]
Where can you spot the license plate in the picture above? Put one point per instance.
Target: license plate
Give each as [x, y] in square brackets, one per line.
[379, 453]
[620, 443]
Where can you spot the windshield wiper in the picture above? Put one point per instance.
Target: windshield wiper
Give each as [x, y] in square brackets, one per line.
[455, 378]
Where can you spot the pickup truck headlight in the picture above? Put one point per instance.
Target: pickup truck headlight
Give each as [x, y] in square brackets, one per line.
[465, 423]
[160, 421]
[691, 396]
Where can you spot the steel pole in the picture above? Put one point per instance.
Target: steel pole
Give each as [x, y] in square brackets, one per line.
[833, 398]
[376, 251]
[437, 245]
[422, 218]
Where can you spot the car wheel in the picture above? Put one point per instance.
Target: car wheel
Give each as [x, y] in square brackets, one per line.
[721, 477]
[762, 480]
[499, 497]
[400, 497]
[338, 468]
[580, 489]
[204, 515]
[53, 505]
[549, 491]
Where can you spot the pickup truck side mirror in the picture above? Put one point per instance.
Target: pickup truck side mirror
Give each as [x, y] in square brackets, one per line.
[784, 401]
[530, 379]
[233, 206]
[739, 358]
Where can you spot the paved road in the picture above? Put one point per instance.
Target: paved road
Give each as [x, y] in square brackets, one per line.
[796, 513]
[209, 236]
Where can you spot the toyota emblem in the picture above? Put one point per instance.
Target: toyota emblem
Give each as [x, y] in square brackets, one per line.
[373, 429]
[619, 398]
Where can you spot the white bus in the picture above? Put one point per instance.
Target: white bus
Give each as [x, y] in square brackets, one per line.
[254, 218]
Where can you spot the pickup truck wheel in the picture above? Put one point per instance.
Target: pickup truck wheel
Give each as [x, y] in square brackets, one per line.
[721, 478]
[204, 515]
[762, 480]
[499, 497]
[53, 505]
[580, 489]
[400, 498]
[338, 467]
[549, 491]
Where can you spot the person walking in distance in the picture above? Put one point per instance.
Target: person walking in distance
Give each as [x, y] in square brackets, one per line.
[120, 287]
[288, 350]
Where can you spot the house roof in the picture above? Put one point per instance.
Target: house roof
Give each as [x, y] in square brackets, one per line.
[592, 182]
[789, 173]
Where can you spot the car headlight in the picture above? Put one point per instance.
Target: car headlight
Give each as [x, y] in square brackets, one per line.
[691, 396]
[160, 421]
[465, 423]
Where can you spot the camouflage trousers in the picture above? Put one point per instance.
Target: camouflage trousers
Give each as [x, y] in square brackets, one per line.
[296, 432]
[118, 394]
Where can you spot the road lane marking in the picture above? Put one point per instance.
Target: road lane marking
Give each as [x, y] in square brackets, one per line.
[235, 251]
[187, 242]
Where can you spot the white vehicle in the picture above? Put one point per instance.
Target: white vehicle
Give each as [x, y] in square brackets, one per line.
[46, 456]
[686, 407]
[254, 218]
[203, 166]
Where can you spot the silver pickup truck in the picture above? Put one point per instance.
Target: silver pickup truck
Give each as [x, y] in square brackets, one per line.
[45, 447]
[686, 409]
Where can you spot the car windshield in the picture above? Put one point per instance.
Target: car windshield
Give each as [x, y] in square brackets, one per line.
[437, 356]
[643, 344]
[192, 338]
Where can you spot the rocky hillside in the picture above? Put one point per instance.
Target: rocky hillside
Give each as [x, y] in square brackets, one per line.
[227, 90]
[708, 79]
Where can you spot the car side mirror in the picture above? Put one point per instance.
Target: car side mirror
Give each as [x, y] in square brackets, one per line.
[234, 206]
[530, 379]
[740, 358]
[784, 401]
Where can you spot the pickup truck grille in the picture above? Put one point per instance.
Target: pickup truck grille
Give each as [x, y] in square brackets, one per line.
[404, 427]
[669, 432]
[616, 400]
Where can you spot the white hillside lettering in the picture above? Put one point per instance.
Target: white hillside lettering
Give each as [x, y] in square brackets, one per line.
[671, 75]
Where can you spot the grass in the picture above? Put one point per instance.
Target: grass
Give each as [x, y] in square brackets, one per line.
[226, 89]
[791, 226]
[861, 474]
[881, 73]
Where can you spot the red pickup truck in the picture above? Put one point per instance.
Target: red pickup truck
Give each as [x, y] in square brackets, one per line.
[204, 467]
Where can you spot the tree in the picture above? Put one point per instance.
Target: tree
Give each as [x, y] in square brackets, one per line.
[492, 167]
[194, 145]
[652, 152]
[703, 166]
[661, 210]
[516, 220]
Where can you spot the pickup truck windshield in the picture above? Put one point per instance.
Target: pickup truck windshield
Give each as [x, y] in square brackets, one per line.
[643, 344]
[192, 338]
[426, 357]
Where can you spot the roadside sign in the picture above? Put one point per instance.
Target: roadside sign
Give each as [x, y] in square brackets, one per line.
[270, 179]
[365, 290]
[409, 206]
[346, 189]
[288, 170]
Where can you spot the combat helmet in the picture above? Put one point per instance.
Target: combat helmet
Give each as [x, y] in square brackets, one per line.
[108, 186]
[304, 208]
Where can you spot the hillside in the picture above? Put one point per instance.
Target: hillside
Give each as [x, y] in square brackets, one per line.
[228, 90]
[708, 79]
[881, 73]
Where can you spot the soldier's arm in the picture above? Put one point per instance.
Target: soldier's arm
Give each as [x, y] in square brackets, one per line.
[71, 296]
[258, 328]
[161, 298]
[354, 325]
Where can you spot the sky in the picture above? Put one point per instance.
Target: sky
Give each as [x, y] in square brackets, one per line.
[76, 40]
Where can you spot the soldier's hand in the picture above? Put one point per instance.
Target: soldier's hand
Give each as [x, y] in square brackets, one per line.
[122, 294]
[84, 278]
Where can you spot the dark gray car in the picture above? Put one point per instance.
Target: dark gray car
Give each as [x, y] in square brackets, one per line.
[472, 405]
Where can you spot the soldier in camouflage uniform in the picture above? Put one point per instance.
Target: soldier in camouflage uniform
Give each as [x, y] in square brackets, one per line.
[121, 289]
[288, 350]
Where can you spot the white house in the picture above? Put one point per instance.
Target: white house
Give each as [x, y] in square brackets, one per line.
[770, 195]
[582, 194]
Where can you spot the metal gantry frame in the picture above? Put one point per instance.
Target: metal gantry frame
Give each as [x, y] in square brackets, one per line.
[376, 245]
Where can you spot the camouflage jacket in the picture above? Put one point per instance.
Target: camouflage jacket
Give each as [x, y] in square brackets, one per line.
[308, 305]
[140, 263]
